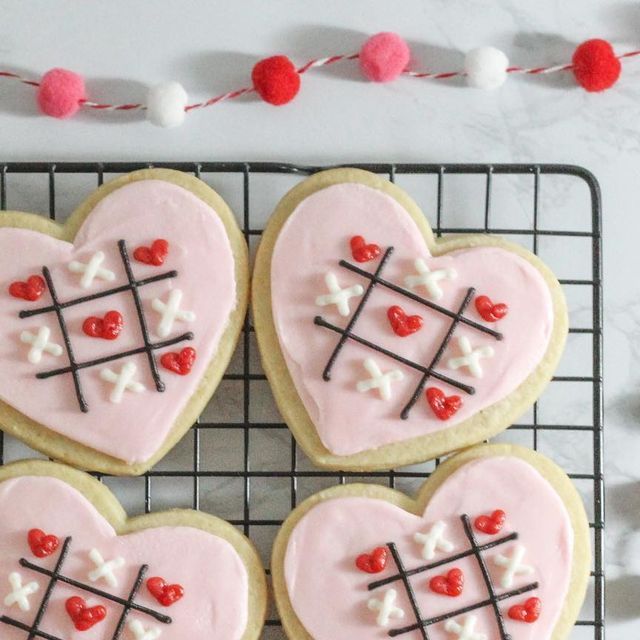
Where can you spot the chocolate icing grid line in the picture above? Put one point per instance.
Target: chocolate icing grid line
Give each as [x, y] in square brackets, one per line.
[55, 576]
[476, 550]
[149, 347]
[427, 372]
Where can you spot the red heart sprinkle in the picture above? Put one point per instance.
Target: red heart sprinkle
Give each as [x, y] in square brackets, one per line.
[443, 406]
[41, 543]
[363, 252]
[489, 311]
[155, 254]
[179, 362]
[527, 612]
[108, 328]
[373, 562]
[402, 324]
[165, 594]
[30, 290]
[450, 584]
[84, 617]
[491, 524]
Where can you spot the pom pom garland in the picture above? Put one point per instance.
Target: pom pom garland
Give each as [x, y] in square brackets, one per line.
[61, 93]
[596, 66]
[276, 80]
[486, 68]
[384, 57]
[166, 104]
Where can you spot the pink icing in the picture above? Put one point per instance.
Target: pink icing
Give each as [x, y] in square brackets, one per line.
[215, 602]
[329, 594]
[311, 243]
[139, 213]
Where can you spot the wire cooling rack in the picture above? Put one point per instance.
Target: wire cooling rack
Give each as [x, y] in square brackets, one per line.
[240, 462]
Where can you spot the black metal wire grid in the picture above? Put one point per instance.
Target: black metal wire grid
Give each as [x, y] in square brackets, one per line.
[223, 464]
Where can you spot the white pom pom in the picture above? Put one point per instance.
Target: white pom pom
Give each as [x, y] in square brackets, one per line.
[166, 103]
[486, 68]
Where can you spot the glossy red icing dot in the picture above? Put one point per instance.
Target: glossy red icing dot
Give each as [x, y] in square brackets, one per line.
[491, 524]
[155, 255]
[179, 362]
[451, 584]
[373, 562]
[84, 617]
[529, 611]
[443, 406]
[363, 252]
[489, 311]
[30, 290]
[402, 324]
[165, 594]
[42, 544]
[107, 328]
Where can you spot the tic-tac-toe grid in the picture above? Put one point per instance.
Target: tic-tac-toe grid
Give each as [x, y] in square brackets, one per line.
[240, 462]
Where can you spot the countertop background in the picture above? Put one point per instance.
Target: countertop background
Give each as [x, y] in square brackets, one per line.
[210, 46]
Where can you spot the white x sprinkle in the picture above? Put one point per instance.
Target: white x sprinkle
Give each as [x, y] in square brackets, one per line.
[386, 608]
[123, 381]
[338, 296]
[434, 541]
[92, 270]
[40, 344]
[170, 312]
[470, 357]
[513, 566]
[465, 631]
[380, 381]
[429, 279]
[104, 569]
[20, 594]
[140, 632]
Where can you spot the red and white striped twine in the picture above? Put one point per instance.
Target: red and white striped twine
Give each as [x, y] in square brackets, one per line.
[312, 64]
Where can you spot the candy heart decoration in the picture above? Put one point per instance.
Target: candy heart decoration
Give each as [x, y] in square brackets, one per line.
[322, 594]
[30, 290]
[527, 612]
[491, 524]
[124, 300]
[180, 362]
[363, 252]
[154, 255]
[83, 616]
[107, 328]
[489, 311]
[313, 351]
[42, 544]
[217, 589]
[373, 562]
[443, 406]
[165, 594]
[402, 324]
[450, 584]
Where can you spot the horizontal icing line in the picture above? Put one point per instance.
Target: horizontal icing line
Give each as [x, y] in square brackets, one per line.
[98, 592]
[32, 631]
[439, 563]
[427, 303]
[458, 612]
[116, 356]
[409, 363]
[95, 296]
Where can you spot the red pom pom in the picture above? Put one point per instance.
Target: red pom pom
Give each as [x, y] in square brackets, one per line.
[276, 80]
[60, 93]
[595, 65]
[384, 57]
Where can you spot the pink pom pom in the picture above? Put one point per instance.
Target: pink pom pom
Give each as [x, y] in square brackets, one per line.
[384, 57]
[60, 93]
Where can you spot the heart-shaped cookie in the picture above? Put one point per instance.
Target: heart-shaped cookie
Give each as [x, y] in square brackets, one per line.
[152, 263]
[215, 587]
[352, 389]
[443, 574]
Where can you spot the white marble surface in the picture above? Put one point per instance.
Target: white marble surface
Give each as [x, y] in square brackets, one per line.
[210, 46]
